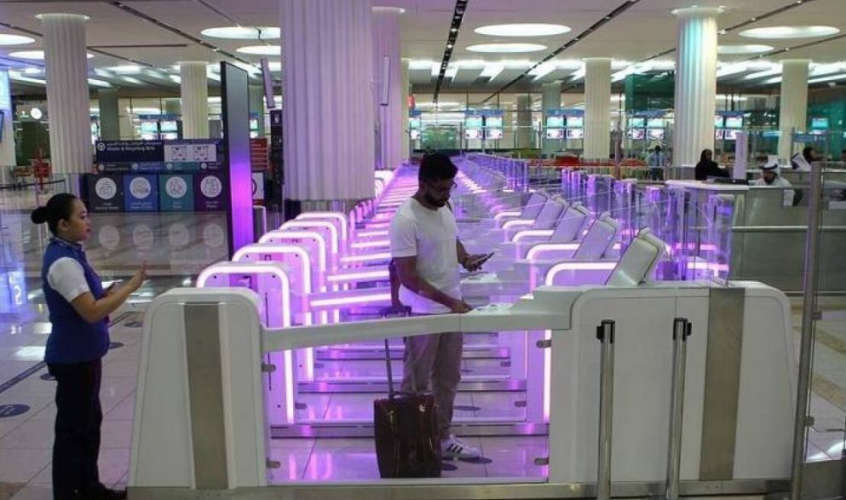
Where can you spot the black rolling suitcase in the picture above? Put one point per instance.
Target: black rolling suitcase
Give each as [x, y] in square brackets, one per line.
[405, 428]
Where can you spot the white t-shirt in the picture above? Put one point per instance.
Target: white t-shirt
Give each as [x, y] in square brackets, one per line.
[431, 236]
[67, 277]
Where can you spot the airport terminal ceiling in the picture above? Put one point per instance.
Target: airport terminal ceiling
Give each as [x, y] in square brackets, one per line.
[137, 44]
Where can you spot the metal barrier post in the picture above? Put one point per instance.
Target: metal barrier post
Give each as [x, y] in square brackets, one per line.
[605, 334]
[681, 330]
[809, 312]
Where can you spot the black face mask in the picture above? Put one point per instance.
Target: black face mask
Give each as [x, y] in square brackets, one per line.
[432, 201]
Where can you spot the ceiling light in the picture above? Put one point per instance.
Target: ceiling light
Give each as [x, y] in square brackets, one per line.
[37, 55]
[98, 83]
[832, 78]
[36, 113]
[261, 50]
[420, 64]
[492, 70]
[9, 39]
[274, 65]
[743, 49]
[243, 32]
[760, 74]
[396, 10]
[32, 71]
[506, 47]
[175, 78]
[781, 32]
[211, 75]
[14, 75]
[129, 79]
[770, 81]
[522, 29]
[126, 69]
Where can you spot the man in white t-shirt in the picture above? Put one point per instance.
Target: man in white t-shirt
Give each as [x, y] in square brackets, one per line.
[426, 253]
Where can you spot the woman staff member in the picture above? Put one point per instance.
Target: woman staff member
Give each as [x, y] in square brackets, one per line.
[707, 167]
[79, 310]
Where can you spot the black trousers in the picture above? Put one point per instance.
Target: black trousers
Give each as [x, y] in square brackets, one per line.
[78, 418]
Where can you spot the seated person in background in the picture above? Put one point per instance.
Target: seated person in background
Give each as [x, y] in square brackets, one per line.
[802, 161]
[708, 168]
[656, 162]
[770, 177]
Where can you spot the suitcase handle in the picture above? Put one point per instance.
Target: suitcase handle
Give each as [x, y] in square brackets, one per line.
[387, 312]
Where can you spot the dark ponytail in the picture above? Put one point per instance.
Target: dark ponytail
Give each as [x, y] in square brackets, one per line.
[58, 207]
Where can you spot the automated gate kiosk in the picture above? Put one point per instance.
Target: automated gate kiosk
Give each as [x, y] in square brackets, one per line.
[200, 419]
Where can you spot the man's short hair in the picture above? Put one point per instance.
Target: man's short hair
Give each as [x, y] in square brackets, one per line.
[435, 167]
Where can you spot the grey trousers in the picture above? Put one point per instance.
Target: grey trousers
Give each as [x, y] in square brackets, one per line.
[434, 359]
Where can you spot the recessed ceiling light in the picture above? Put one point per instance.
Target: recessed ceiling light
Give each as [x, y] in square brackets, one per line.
[274, 65]
[261, 50]
[9, 39]
[742, 49]
[506, 47]
[125, 69]
[397, 10]
[780, 32]
[32, 71]
[243, 32]
[36, 55]
[522, 29]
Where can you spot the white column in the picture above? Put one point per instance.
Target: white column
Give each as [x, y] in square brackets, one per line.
[597, 108]
[67, 92]
[793, 103]
[405, 90]
[523, 137]
[328, 97]
[550, 99]
[195, 100]
[386, 44]
[109, 114]
[696, 83]
[7, 145]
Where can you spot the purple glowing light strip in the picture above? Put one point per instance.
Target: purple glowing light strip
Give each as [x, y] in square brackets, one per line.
[328, 215]
[507, 213]
[358, 276]
[528, 233]
[372, 234]
[374, 257]
[371, 244]
[346, 301]
[286, 315]
[299, 235]
[517, 222]
[310, 224]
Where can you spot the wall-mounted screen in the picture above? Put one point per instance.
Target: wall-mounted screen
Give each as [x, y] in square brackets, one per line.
[636, 122]
[168, 126]
[473, 122]
[575, 133]
[734, 122]
[819, 123]
[655, 123]
[554, 121]
[656, 134]
[472, 133]
[718, 121]
[575, 121]
[148, 127]
[555, 133]
[730, 135]
[253, 124]
[414, 123]
[493, 121]
[414, 134]
[637, 133]
[718, 134]
[493, 134]
[170, 136]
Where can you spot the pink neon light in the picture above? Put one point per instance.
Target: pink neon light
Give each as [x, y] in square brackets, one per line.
[371, 244]
[271, 249]
[364, 275]
[328, 215]
[299, 235]
[550, 247]
[308, 224]
[707, 266]
[366, 258]
[547, 376]
[371, 234]
[344, 301]
[528, 233]
[517, 222]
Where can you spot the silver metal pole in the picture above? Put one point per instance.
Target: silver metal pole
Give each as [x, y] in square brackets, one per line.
[605, 334]
[809, 312]
[681, 330]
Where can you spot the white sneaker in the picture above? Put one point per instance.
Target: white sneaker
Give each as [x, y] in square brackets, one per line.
[456, 448]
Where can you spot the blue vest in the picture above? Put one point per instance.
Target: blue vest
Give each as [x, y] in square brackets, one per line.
[72, 340]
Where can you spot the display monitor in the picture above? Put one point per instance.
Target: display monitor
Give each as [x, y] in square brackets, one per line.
[168, 126]
[555, 133]
[170, 136]
[253, 123]
[718, 121]
[819, 123]
[730, 134]
[414, 134]
[656, 134]
[493, 121]
[637, 133]
[575, 133]
[734, 122]
[718, 134]
[575, 121]
[472, 133]
[493, 134]
[473, 122]
[655, 123]
[414, 123]
[636, 122]
[149, 127]
[148, 137]
[555, 122]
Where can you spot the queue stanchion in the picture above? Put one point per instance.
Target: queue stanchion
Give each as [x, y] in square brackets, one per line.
[605, 334]
[681, 331]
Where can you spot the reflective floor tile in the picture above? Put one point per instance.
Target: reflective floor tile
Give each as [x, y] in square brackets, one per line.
[21, 465]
